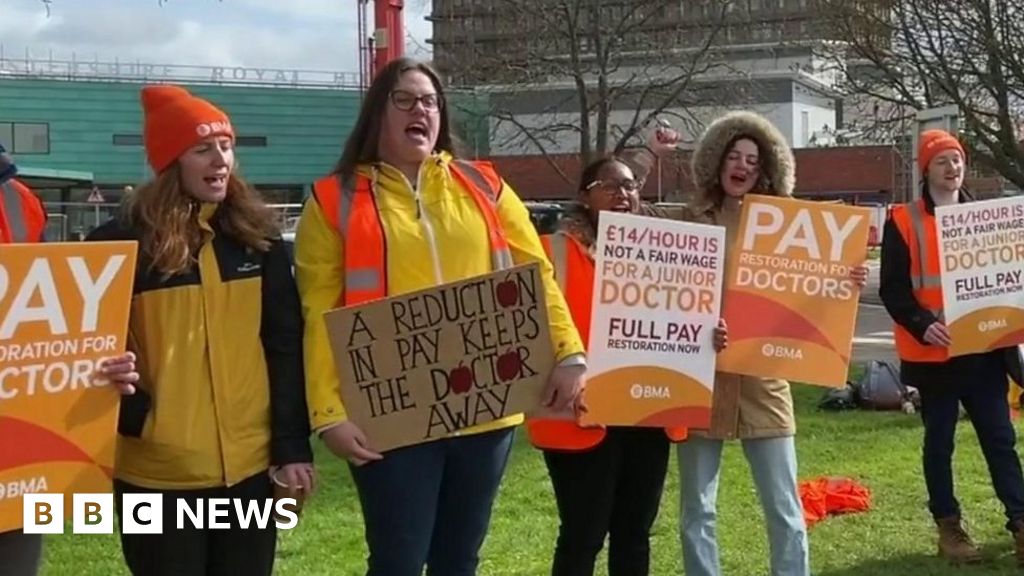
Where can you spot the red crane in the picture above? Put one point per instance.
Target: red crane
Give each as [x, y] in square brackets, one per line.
[387, 41]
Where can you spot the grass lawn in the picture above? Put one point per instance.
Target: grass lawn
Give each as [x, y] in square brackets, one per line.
[879, 449]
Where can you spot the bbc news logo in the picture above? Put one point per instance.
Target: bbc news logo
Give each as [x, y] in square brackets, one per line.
[144, 513]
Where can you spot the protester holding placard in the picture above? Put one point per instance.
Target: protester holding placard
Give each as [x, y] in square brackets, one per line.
[23, 221]
[400, 213]
[911, 289]
[743, 153]
[607, 482]
[216, 323]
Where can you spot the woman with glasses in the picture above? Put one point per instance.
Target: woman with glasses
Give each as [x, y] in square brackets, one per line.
[607, 481]
[401, 213]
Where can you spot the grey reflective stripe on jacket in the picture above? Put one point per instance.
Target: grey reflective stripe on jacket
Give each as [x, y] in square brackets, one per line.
[14, 211]
[560, 259]
[922, 279]
[501, 258]
[358, 279]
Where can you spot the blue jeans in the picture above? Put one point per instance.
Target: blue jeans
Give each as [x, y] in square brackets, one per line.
[773, 465]
[983, 393]
[430, 504]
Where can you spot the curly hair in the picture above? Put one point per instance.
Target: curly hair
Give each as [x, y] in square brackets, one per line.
[169, 233]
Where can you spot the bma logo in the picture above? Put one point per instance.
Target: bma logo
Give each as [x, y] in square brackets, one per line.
[990, 325]
[16, 488]
[218, 127]
[779, 351]
[647, 392]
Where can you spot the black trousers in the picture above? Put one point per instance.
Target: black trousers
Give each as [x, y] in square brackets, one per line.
[20, 553]
[613, 490]
[193, 552]
[980, 384]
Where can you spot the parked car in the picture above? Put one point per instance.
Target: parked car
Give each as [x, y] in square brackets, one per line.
[545, 215]
[289, 244]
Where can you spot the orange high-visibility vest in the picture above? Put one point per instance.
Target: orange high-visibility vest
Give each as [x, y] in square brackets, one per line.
[918, 228]
[574, 271]
[22, 217]
[351, 208]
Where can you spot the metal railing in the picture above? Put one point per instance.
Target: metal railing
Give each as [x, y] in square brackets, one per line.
[74, 220]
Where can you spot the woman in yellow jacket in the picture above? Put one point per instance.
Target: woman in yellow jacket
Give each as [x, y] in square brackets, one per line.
[216, 324]
[399, 214]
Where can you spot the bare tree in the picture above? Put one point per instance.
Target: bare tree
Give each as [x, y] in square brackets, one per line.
[909, 55]
[592, 72]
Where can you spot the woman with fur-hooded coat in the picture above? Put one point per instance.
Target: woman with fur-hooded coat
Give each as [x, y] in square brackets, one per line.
[742, 153]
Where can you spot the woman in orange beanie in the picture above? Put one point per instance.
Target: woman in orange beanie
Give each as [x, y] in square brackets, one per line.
[911, 290]
[217, 327]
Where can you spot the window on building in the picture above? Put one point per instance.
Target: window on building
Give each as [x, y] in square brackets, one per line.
[136, 140]
[127, 140]
[31, 138]
[25, 137]
[251, 141]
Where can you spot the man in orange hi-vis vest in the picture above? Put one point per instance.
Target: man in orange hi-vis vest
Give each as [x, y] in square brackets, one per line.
[911, 290]
[22, 216]
[22, 220]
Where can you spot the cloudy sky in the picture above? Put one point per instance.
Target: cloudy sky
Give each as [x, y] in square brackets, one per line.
[304, 34]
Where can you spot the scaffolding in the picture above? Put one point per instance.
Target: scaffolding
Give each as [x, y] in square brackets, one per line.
[365, 46]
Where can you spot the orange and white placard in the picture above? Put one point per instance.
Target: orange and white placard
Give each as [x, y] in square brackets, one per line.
[790, 303]
[657, 300]
[63, 308]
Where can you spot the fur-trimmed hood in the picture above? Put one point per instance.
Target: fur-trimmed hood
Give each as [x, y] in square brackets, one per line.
[778, 168]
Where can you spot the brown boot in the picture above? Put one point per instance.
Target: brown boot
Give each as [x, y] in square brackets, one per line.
[954, 543]
[1018, 542]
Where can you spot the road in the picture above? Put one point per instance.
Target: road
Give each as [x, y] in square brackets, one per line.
[873, 337]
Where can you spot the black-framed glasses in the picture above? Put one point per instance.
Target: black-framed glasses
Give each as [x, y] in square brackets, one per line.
[627, 185]
[406, 101]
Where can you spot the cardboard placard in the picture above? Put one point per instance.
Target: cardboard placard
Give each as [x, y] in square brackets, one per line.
[657, 299]
[421, 366]
[63, 308]
[790, 304]
[981, 258]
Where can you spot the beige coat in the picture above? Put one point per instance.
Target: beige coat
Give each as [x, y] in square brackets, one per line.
[743, 407]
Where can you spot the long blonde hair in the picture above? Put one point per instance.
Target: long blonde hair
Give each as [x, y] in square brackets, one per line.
[165, 216]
